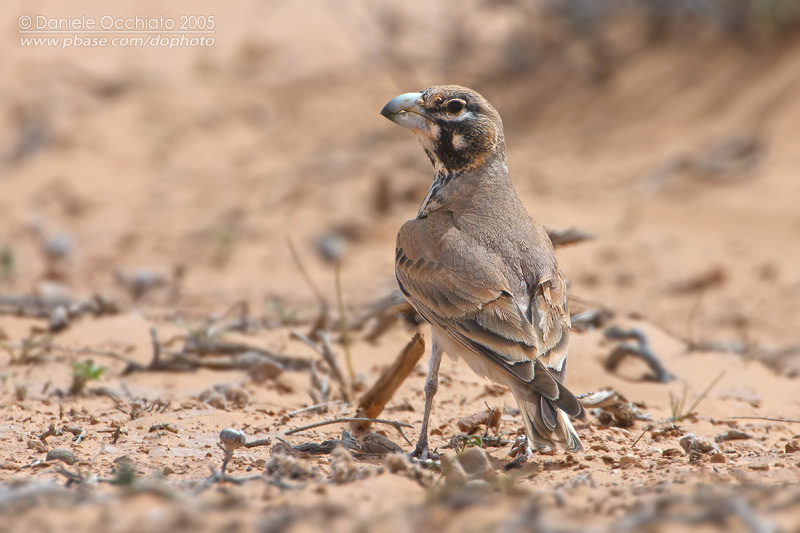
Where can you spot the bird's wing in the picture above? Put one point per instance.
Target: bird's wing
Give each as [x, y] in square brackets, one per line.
[549, 317]
[458, 285]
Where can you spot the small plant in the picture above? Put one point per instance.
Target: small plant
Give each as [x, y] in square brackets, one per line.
[677, 404]
[31, 349]
[139, 407]
[7, 263]
[223, 236]
[286, 316]
[343, 325]
[20, 392]
[83, 373]
[462, 442]
[124, 474]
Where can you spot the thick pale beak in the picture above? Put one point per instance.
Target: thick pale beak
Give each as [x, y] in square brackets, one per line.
[405, 111]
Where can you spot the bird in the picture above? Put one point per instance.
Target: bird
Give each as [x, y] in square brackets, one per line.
[481, 271]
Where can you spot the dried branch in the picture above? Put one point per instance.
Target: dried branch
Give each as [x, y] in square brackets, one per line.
[258, 442]
[565, 237]
[306, 276]
[642, 351]
[395, 424]
[325, 349]
[347, 441]
[330, 358]
[591, 319]
[385, 313]
[58, 311]
[313, 407]
[771, 419]
[204, 347]
[373, 401]
[345, 332]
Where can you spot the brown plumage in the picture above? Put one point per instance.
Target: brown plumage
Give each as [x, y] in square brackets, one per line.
[480, 270]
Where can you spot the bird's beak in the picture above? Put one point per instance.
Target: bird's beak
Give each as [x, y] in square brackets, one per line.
[405, 111]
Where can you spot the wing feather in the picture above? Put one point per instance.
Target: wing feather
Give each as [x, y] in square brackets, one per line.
[461, 290]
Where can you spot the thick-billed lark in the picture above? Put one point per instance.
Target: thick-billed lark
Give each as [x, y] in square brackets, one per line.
[480, 270]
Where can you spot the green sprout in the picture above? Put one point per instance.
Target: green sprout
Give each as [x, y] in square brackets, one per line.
[83, 373]
[7, 263]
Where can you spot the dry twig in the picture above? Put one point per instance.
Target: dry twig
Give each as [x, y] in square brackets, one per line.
[373, 401]
[565, 237]
[58, 311]
[345, 331]
[770, 419]
[320, 406]
[326, 351]
[642, 351]
[395, 424]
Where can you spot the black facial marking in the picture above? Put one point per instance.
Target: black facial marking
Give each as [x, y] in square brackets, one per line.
[450, 157]
[457, 113]
[465, 132]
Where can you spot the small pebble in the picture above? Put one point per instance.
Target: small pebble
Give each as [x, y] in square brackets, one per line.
[231, 439]
[719, 458]
[61, 454]
[379, 445]
[475, 463]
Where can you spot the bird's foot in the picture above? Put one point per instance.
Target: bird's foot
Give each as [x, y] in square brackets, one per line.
[423, 453]
[521, 448]
[521, 451]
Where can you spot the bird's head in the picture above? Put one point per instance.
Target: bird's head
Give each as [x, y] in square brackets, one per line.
[458, 127]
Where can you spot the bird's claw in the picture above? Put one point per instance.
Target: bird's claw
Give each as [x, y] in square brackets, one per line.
[521, 447]
[521, 451]
[423, 453]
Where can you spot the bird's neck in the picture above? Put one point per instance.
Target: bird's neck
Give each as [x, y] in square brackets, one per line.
[470, 185]
[441, 180]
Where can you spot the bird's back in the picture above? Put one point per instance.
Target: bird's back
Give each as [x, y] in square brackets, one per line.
[487, 212]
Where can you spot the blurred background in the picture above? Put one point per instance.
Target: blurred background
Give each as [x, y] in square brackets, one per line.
[172, 181]
[664, 128]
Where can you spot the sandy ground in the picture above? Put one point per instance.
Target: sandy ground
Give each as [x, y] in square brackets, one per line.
[195, 166]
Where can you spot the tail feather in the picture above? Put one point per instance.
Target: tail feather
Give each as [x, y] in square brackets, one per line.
[549, 413]
[546, 424]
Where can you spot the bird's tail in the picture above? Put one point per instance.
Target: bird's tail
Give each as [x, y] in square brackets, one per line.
[546, 424]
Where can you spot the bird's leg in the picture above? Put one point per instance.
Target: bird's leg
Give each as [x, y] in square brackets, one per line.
[521, 451]
[431, 386]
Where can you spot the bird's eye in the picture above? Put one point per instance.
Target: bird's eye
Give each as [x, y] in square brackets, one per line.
[455, 106]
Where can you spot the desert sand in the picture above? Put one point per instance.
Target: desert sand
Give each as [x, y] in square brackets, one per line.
[167, 185]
